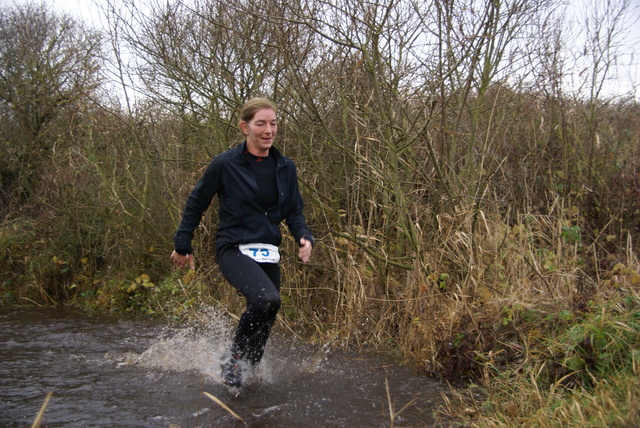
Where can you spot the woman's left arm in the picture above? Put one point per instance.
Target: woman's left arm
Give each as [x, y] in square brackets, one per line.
[295, 218]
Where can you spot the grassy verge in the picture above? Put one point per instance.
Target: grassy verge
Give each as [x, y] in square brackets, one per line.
[582, 373]
[525, 334]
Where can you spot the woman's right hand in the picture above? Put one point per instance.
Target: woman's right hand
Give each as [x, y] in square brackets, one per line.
[183, 261]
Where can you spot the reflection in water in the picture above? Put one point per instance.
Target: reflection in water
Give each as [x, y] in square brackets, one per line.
[117, 371]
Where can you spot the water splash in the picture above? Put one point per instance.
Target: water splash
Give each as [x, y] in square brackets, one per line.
[198, 347]
[202, 347]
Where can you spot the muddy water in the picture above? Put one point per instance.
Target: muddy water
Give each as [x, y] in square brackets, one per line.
[116, 371]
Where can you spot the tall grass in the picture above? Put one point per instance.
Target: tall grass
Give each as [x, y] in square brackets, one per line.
[582, 374]
[476, 234]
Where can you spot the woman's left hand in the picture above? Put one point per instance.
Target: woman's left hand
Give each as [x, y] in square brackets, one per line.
[305, 250]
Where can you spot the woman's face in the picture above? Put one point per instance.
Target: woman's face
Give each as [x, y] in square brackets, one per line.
[260, 132]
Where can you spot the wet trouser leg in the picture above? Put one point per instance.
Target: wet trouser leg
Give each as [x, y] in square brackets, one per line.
[259, 283]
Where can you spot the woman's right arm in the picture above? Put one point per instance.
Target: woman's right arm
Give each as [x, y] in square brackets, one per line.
[197, 203]
[183, 261]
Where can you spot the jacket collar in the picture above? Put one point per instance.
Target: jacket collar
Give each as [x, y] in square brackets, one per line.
[242, 148]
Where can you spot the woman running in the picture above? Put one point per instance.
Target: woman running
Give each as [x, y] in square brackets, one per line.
[257, 188]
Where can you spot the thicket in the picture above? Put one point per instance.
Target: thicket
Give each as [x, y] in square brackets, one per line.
[472, 215]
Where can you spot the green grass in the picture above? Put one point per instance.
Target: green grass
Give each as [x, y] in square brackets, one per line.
[586, 375]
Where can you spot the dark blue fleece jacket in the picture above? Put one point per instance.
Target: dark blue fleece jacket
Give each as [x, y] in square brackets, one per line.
[241, 218]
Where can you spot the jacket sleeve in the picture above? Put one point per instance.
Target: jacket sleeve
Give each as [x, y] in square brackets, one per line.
[197, 203]
[295, 219]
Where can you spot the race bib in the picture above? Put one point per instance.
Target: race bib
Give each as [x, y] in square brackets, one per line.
[261, 253]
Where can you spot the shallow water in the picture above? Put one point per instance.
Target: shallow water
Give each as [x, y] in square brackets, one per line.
[119, 371]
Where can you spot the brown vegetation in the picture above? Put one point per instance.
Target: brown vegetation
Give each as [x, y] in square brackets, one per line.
[467, 208]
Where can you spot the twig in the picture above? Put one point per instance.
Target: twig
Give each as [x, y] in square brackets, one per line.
[537, 272]
[392, 413]
[224, 406]
[38, 420]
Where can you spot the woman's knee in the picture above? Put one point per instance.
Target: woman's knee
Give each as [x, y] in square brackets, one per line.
[269, 305]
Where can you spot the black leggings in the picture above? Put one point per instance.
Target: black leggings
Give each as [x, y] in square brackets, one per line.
[259, 283]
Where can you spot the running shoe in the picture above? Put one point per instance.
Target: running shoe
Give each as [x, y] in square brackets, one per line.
[232, 372]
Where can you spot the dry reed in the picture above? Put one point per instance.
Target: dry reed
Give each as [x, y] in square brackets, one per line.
[224, 406]
[38, 420]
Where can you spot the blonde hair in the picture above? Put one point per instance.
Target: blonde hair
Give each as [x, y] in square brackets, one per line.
[251, 107]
